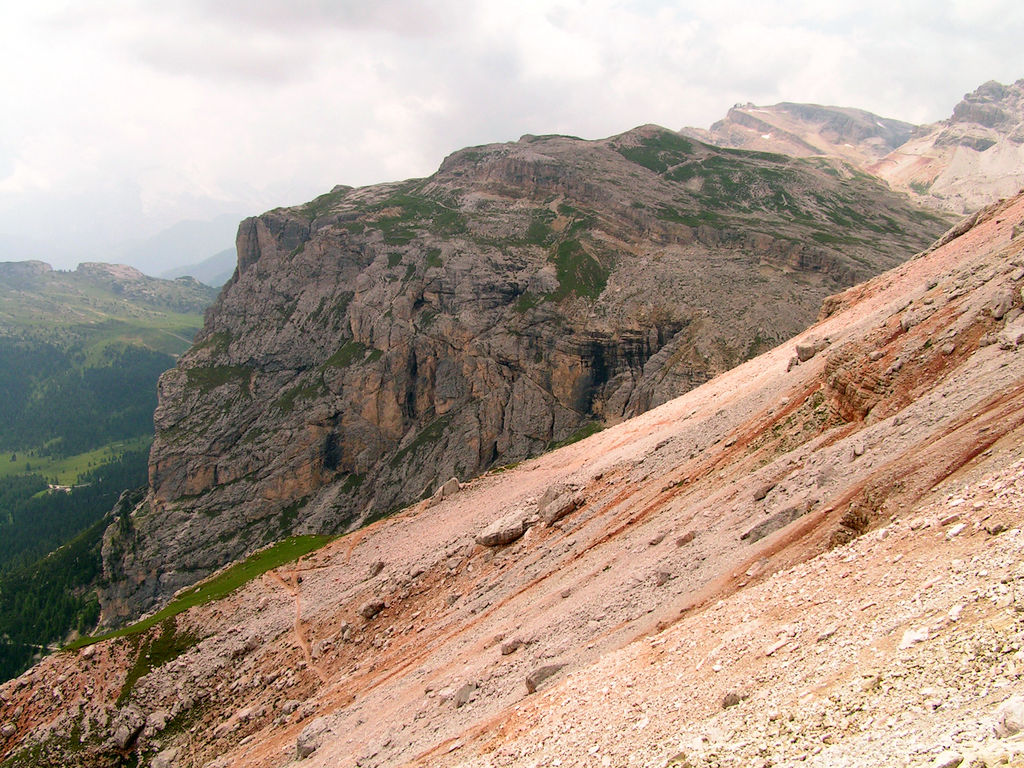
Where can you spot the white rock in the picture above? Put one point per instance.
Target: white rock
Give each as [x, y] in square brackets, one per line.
[912, 636]
[1009, 718]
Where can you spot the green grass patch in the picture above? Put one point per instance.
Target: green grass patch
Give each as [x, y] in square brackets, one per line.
[286, 402]
[433, 257]
[394, 259]
[658, 153]
[578, 272]
[219, 586]
[218, 342]
[352, 482]
[167, 645]
[324, 203]
[349, 353]
[208, 378]
[431, 433]
[66, 470]
[585, 431]
[526, 302]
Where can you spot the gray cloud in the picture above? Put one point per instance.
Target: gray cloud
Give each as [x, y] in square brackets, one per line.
[161, 111]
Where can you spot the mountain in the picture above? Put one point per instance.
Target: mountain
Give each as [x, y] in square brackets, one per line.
[80, 355]
[806, 130]
[377, 341]
[184, 243]
[972, 158]
[960, 164]
[214, 271]
[813, 557]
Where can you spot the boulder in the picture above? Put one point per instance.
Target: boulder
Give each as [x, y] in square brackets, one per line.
[539, 675]
[1001, 303]
[311, 737]
[463, 695]
[1012, 336]
[371, 608]
[449, 488]
[805, 350]
[557, 502]
[763, 490]
[503, 531]
[168, 758]
[1009, 718]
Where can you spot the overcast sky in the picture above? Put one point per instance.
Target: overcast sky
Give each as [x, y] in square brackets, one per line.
[122, 117]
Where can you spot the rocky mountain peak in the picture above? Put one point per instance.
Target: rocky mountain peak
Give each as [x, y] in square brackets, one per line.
[803, 130]
[969, 160]
[375, 342]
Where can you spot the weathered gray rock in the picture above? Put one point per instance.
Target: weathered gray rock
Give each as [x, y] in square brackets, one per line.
[1012, 336]
[558, 501]
[311, 737]
[805, 350]
[503, 531]
[763, 490]
[779, 520]
[536, 678]
[1009, 717]
[1001, 303]
[167, 758]
[511, 646]
[371, 608]
[947, 759]
[464, 694]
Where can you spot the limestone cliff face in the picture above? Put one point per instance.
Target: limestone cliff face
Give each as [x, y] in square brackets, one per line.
[376, 341]
[969, 160]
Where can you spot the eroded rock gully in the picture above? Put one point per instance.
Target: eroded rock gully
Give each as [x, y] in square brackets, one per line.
[653, 631]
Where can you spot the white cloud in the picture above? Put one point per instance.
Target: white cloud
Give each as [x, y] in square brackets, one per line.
[128, 115]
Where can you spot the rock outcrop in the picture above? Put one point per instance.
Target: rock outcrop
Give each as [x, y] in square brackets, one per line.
[968, 160]
[804, 130]
[377, 341]
[960, 164]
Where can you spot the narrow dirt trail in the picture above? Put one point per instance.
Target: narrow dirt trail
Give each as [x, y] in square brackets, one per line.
[300, 632]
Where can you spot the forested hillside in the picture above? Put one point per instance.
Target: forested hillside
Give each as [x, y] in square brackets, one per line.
[80, 354]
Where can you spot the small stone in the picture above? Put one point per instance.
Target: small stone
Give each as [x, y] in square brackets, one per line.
[876, 355]
[686, 538]
[661, 578]
[763, 490]
[371, 608]
[948, 348]
[511, 646]
[375, 568]
[997, 526]
[956, 530]
[949, 519]
[732, 699]
[7, 730]
[656, 540]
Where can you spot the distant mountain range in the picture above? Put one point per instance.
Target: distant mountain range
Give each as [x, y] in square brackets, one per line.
[214, 271]
[960, 164]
